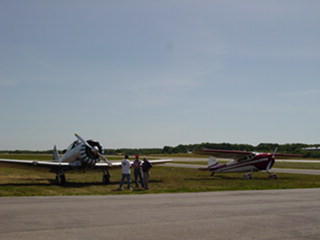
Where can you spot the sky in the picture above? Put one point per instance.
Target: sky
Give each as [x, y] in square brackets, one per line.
[149, 73]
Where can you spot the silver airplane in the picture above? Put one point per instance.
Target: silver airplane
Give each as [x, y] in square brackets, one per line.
[80, 155]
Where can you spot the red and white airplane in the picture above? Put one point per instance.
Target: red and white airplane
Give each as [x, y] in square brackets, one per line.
[243, 161]
[80, 155]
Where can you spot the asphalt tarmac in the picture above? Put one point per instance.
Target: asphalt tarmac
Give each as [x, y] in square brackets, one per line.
[269, 214]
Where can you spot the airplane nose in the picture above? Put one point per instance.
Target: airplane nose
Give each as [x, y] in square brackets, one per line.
[96, 149]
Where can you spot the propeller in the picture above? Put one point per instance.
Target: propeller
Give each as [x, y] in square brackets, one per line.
[274, 152]
[93, 149]
[273, 156]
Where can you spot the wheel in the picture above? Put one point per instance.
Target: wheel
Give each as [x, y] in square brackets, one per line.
[273, 176]
[63, 179]
[247, 176]
[60, 179]
[105, 179]
[57, 180]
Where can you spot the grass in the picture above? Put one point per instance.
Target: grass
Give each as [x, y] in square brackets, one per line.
[22, 182]
[297, 165]
[34, 182]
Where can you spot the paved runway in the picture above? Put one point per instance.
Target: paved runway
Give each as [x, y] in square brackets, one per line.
[243, 215]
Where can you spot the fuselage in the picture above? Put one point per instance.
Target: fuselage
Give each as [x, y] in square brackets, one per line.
[255, 162]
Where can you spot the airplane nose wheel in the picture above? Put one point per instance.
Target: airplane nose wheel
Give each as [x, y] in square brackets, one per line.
[105, 179]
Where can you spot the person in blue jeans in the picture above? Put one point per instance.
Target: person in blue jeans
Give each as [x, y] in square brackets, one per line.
[125, 169]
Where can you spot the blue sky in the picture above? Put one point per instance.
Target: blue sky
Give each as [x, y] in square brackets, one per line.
[150, 73]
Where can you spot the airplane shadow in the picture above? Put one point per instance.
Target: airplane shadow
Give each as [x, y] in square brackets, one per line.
[212, 178]
[67, 184]
[225, 177]
[53, 183]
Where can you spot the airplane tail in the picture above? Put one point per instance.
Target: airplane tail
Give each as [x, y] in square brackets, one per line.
[212, 161]
[55, 154]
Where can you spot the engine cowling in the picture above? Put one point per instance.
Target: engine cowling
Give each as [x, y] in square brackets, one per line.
[87, 156]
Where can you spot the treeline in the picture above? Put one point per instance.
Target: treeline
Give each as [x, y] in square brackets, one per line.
[26, 151]
[297, 148]
[129, 151]
[133, 151]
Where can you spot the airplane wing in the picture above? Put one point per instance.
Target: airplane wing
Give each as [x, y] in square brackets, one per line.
[118, 164]
[232, 154]
[48, 165]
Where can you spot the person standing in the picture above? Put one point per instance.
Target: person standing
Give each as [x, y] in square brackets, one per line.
[125, 169]
[137, 171]
[146, 166]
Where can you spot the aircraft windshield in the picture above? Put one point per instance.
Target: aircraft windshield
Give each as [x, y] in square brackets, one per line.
[247, 157]
[72, 145]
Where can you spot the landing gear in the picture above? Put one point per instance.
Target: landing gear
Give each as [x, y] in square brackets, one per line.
[106, 177]
[247, 176]
[60, 179]
[212, 174]
[272, 175]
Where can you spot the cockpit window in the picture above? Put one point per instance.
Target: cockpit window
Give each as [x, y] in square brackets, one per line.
[247, 157]
[72, 145]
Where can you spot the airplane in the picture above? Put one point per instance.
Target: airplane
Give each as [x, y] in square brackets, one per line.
[243, 161]
[80, 155]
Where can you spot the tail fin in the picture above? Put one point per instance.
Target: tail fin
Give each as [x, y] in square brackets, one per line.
[212, 161]
[55, 154]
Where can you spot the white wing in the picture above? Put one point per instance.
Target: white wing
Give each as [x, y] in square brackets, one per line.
[50, 165]
[118, 164]
[34, 164]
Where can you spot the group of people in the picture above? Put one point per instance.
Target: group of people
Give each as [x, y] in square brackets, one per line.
[141, 171]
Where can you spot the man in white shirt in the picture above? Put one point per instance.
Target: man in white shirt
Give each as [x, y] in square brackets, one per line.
[125, 169]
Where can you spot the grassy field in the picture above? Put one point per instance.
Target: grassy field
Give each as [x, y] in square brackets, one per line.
[297, 165]
[21, 182]
[33, 182]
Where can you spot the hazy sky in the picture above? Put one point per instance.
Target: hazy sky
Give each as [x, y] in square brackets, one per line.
[153, 73]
